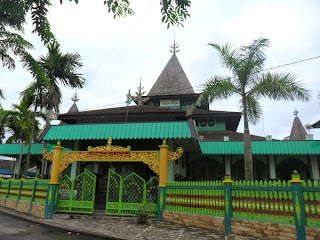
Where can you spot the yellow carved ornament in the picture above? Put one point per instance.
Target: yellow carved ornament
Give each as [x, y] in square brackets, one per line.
[175, 155]
[49, 156]
[155, 166]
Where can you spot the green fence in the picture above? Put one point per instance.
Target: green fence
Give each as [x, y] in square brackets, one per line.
[125, 196]
[196, 197]
[78, 195]
[293, 202]
[31, 190]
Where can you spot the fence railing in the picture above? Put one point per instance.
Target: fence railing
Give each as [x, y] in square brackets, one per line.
[31, 190]
[293, 202]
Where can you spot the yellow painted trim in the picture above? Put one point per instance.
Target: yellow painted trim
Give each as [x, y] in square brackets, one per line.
[163, 146]
[53, 183]
[296, 180]
[227, 181]
[58, 147]
[161, 185]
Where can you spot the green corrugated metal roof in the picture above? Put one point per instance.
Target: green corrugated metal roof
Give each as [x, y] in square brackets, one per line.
[263, 147]
[14, 149]
[120, 131]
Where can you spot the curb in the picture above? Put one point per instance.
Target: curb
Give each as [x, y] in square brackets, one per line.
[43, 222]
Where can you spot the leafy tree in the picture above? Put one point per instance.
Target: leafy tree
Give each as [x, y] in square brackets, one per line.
[18, 122]
[249, 81]
[49, 71]
[13, 14]
[12, 17]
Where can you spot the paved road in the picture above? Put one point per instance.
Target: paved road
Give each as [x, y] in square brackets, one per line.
[12, 228]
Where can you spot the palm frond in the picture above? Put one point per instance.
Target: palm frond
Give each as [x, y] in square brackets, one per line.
[216, 88]
[253, 108]
[228, 56]
[279, 86]
[253, 58]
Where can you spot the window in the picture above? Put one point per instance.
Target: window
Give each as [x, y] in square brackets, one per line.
[203, 123]
[211, 123]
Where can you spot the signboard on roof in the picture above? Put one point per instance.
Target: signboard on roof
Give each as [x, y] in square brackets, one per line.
[170, 103]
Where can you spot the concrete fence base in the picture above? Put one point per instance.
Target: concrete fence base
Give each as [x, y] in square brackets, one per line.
[257, 229]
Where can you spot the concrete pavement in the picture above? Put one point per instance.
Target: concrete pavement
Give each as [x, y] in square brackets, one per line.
[108, 227]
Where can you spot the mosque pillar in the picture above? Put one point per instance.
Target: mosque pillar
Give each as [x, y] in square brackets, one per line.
[227, 164]
[74, 165]
[272, 167]
[314, 167]
[172, 164]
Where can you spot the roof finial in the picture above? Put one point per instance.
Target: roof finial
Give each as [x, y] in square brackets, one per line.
[295, 112]
[175, 45]
[75, 97]
[139, 95]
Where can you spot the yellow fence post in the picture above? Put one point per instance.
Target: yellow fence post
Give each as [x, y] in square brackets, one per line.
[56, 164]
[53, 186]
[163, 177]
[163, 171]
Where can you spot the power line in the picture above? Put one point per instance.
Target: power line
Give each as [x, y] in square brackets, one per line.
[287, 64]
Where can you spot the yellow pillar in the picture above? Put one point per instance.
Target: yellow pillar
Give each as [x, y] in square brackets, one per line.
[163, 171]
[56, 164]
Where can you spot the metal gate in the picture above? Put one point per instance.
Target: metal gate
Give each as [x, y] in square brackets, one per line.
[78, 195]
[125, 196]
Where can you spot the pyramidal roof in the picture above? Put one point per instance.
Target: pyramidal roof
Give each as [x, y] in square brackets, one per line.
[74, 108]
[172, 80]
[297, 132]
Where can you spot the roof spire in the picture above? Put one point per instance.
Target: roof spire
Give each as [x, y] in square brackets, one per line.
[74, 107]
[295, 112]
[75, 97]
[175, 45]
[139, 95]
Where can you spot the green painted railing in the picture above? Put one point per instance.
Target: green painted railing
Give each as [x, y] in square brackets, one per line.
[195, 197]
[31, 190]
[293, 202]
[78, 195]
[129, 195]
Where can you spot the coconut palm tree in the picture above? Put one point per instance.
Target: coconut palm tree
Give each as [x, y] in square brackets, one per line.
[250, 82]
[18, 122]
[49, 71]
[2, 131]
[1, 94]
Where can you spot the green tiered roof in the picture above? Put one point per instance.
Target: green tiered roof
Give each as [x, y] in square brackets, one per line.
[263, 147]
[157, 130]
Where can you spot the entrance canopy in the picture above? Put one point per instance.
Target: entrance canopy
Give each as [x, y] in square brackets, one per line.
[148, 130]
[262, 147]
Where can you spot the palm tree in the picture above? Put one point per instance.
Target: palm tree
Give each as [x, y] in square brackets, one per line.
[18, 122]
[49, 71]
[2, 131]
[1, 94]
[249, 81]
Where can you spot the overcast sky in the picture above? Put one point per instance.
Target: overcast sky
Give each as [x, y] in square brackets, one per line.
[117, 52]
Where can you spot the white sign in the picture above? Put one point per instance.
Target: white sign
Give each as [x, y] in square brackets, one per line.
[170, 103]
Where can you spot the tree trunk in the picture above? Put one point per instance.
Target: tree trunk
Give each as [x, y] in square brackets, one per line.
[19, 161]
[248, 160]
[31, 140]
[43, 163]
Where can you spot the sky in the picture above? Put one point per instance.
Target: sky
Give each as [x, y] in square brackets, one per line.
[118, 52]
